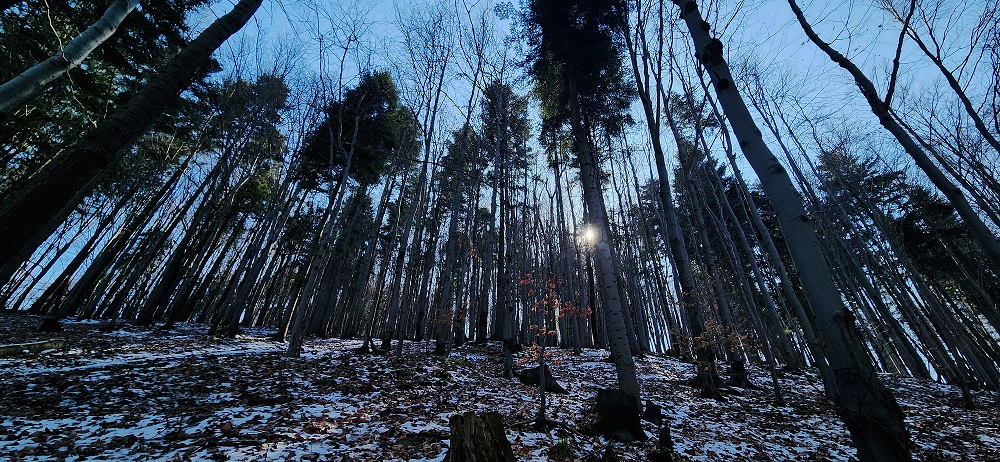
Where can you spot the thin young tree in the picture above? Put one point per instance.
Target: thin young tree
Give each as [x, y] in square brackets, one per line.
[583, 87]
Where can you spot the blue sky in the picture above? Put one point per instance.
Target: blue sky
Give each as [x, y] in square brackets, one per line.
[759, 33]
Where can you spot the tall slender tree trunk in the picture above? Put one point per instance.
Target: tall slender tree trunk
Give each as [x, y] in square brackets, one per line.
[672, 230]
[89, 284]
[49, 299]
[869, 410]
[608, 282]
[368, 264]
[258, 253]
[793, 359]
[798, 308]
[37, 205]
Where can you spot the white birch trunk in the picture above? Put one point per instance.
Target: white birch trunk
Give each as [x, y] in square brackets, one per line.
[32, 82]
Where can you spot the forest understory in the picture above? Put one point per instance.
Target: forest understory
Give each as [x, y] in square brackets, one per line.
[132, 393]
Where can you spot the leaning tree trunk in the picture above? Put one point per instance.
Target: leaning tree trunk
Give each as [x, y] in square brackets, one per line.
[47, 302]
[235, 301]
[793, 359]
[37, 205]
[798, 309]
[441, 342]
[32, 82]
[870, 412]
[87, 282]
[881, 109]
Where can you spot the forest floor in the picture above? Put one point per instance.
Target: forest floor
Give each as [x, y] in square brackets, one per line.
[142, 394]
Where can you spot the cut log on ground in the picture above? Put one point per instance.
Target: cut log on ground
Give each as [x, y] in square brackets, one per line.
[478, 438]
[34, 347]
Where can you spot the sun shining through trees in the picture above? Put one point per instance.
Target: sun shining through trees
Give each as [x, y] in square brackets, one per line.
[444, 197]
[589, 235]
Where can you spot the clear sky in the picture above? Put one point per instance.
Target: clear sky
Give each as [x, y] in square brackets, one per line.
[759, 35]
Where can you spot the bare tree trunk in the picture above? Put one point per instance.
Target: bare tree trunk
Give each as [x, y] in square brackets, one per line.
[608, 282]
[214, 205]
[870, 412]
[793, 359]
[444, 326]
[368, 264]
[87, 285]
[672, 230]
[256, 256]
[32, 82]
[886, 117]
[39, 204]
[47, 302]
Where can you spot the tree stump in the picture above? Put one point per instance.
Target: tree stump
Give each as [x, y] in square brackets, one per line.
[739, 377]
[708, 380]
[531, 376]
[664, 451]
[618, 416]
[478, 438]
[653, 413]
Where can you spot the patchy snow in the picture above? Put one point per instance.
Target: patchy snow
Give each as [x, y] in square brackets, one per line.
[136, 393]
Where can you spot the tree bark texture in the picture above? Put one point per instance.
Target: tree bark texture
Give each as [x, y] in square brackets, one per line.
[869, 410]
[607, 278]
[478, 438]
[32, 82]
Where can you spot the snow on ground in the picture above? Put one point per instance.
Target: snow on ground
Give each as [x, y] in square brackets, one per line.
[139, 394]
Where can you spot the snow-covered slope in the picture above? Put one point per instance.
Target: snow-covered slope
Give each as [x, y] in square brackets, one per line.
[139, 394]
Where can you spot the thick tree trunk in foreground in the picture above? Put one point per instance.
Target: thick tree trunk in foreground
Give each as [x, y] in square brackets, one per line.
[618, 416]
[870, 412]
[40, 203]
[478, 438]
[32, 82]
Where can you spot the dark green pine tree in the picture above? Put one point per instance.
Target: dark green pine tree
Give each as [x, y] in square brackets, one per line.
[366, 124]
[942, 249]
